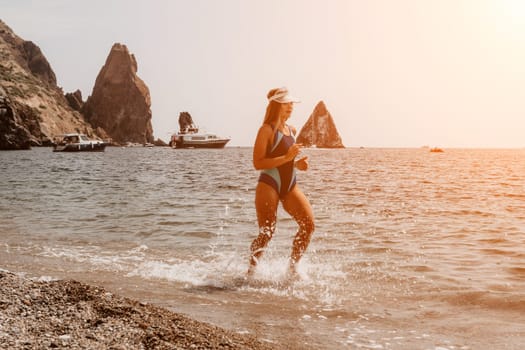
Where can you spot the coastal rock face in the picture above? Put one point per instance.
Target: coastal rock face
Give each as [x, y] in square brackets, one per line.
[120, 102]
[17, 125]
[319, 130]
[34, 59]
[33, 108]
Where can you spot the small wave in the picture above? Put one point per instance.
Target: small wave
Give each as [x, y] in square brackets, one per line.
[227, 272]
[515, 209]
[489, 300]
[138, 215]
[475, 213]
[494, 240]
[507, 287]
[517, 272]
[419, 268]
[228, 187]
[199, 234]
[169, 223]
[94, 256]
[514, 195]
[495, 251]
[58, 169]
[195, 272]
[462, 212]
[375, 250]
[44, 279]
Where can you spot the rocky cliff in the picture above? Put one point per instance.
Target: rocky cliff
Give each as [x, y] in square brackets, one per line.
[33, 108]
[120, 102]
[319, 130]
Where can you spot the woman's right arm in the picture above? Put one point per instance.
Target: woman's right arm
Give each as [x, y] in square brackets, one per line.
[260, 161]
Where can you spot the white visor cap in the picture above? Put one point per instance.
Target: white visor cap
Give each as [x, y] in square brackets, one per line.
[282, 96]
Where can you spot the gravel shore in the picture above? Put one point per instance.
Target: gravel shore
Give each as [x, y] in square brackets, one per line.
[73, 315]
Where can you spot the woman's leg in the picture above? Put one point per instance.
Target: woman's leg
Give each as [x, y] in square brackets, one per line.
[298, 206]
[266, 202]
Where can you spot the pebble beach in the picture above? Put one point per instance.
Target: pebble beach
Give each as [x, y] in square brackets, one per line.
[69, 314]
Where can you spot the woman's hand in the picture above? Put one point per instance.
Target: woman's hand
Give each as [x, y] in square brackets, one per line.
[302, 164]
[293, 151]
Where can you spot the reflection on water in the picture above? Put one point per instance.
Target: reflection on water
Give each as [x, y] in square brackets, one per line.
[413, 249]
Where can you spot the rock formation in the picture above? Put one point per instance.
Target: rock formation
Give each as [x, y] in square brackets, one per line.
[120, 101]
[319, 130]
[186, 122]
[33, 58]
[75, 100]
[33, 108]
[16, 124]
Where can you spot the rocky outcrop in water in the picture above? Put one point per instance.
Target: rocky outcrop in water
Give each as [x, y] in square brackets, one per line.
[33, 108]
[186, 122]
[319, 130]
[120, 102]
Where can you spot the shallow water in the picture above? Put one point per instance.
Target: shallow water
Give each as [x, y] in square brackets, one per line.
[412, 250]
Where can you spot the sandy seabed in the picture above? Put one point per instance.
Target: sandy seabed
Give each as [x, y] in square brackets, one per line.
[73, 315]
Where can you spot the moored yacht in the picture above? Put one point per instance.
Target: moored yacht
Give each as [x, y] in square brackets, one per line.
[196, 139]
[75, 142]
[190, 137]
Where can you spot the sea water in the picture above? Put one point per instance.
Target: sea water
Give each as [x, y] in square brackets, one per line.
[412, 249]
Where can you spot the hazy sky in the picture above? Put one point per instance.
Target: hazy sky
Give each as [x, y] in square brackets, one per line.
[393, 73]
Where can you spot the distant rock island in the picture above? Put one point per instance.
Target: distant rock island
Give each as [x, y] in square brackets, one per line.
[120, 102]
[34, 109]
[319, 130]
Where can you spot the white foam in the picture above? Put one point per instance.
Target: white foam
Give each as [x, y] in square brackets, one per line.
[195, 272]
[217, 267]
[45, 279]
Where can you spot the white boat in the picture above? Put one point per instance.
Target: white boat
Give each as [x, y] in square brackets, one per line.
[75, 142]
[192, 138]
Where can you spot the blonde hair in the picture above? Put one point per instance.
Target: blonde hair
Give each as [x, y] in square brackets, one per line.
[272, 110]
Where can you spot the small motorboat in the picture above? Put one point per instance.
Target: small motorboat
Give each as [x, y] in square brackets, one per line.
[75, 142]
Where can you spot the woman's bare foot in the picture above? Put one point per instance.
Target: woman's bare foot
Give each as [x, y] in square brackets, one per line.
[292, 274]
[251, 271]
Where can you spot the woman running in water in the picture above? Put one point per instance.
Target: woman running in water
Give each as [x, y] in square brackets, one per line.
[274, 154]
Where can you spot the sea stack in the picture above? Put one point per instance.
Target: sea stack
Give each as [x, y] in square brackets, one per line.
[120, 102]
[319, 130]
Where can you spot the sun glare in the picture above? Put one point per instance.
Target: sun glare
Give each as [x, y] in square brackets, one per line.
[513, 8]
[513, 15]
